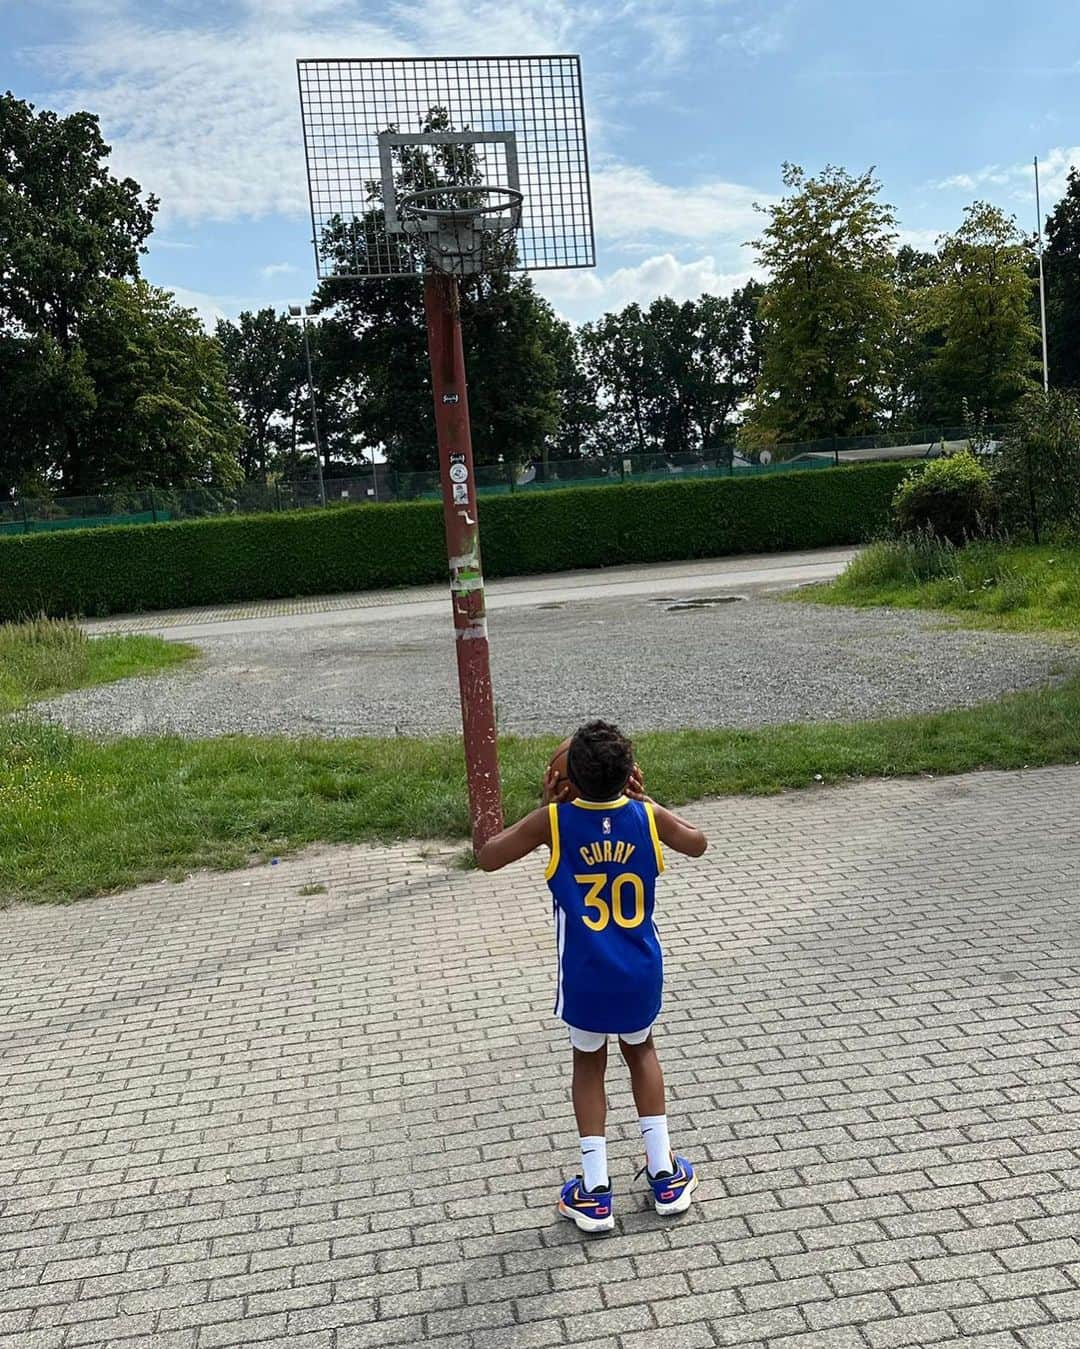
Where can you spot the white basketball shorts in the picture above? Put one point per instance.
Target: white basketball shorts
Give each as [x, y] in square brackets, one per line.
[589, 1041]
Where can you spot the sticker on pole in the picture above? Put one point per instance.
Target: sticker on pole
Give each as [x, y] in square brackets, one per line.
[451, 398]
[459, 473]
[461, 494]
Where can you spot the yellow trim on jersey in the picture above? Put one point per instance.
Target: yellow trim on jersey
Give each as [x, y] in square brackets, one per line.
[601, 805]
[553, 865]
[655, 836]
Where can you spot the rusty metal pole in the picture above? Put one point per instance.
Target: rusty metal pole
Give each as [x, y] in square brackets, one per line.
[463, 549]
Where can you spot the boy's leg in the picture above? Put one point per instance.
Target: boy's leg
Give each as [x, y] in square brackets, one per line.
[647, 1083]
[590, 1111]
[672, 1178]
[588, 1202]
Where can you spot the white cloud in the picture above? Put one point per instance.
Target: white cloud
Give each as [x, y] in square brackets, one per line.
[276, 269]
[583, 294]
[764, 35]
[924, 240]
[1018, 180]
[209, 308]
[629, 202]
[206, 115]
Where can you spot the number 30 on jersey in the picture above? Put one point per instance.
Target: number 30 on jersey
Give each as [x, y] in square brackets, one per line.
[613, 903]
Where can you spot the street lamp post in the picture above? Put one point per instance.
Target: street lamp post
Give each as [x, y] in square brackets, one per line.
[304, 314]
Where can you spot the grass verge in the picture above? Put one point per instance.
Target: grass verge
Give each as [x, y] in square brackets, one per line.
[1025, 588]
[47, 657]
[79, 818]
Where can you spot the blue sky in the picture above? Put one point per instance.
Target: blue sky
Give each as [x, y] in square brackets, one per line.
[692, 104]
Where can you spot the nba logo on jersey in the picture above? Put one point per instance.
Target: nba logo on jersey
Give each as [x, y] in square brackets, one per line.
[607, 824]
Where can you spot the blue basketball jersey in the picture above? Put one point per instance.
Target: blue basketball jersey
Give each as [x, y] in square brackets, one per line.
[605, 858]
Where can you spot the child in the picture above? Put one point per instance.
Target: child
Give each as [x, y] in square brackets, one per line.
[605, 857]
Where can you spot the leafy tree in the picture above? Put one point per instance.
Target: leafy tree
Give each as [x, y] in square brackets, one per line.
[67, 229]
[162, 412]
[264, 360]
[829, 312]
[1061, 265]
[912, 399]
[580, 413]
[620, 358]
[981, 305]
[708, 361]
[1037, 471]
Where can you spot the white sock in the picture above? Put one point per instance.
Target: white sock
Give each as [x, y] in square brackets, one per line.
[594, 1162]
[654, 1133]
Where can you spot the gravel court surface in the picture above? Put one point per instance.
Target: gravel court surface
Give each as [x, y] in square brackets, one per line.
[232, 1114]
[650, 662]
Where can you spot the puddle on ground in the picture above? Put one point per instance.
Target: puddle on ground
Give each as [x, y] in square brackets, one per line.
[703, 602]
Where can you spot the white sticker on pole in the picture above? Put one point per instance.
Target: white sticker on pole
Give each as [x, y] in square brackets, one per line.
[459, 473]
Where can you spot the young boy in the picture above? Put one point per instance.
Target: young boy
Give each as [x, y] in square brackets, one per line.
[605, 838]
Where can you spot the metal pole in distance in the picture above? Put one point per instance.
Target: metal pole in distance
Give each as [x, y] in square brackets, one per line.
[463, 549]
[1042, 281]
[314, 413]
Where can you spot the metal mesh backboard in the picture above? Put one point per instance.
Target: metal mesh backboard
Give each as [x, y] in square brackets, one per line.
[375, 130]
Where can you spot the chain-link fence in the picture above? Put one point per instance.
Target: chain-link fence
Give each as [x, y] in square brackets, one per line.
[381, 483]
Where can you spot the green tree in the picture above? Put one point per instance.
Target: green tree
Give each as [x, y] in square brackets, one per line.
[1061, 264]
[162, 412]
[619, 357]
[981, 306]
[829, 313]
[708, 359]
[912, 399]
[1037, 472]
[67, 229]
[264, 361]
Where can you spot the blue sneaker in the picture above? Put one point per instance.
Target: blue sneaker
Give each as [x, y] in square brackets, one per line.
[591, 1210]
[673, 1190]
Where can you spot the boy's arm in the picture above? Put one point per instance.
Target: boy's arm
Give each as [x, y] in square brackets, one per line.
[678, 833]
[528, 834]
[674, 831]
[516, 842]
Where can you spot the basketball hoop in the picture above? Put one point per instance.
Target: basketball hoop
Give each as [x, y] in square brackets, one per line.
[463, 229]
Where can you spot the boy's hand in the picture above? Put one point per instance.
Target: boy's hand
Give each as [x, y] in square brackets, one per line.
[555, 789]
[635, 784]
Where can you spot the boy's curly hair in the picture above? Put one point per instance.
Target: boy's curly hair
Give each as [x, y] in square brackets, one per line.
[599, 761]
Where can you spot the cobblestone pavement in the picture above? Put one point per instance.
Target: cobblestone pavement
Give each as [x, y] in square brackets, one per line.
[233, 1114]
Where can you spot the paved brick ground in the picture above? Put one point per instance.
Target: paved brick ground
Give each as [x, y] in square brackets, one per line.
[215, 1097]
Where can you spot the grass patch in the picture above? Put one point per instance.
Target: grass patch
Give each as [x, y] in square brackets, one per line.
[45, 657]
[1018, 588]
[79, 818]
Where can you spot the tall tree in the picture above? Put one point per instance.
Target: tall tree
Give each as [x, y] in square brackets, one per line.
[67, 229]
[981, 305]
[830, 308]
[913, 398]
[162, 412]
[619, 356]
[1062, 270]
[264, 361]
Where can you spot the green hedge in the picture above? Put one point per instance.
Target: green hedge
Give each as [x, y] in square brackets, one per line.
[249, 557]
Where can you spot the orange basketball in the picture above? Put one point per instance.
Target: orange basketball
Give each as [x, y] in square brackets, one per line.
[558, 763]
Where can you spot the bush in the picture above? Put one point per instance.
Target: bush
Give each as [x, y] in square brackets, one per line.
[949, 498]
[1037, 475]
[213, 561]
